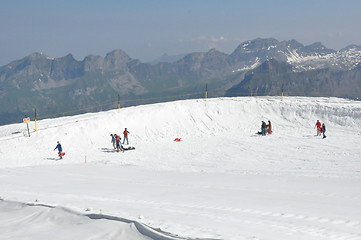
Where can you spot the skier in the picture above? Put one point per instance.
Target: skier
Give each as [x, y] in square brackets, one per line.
[318, 127]
[269, 127]
[263, 128]
[125, 133]
[323, 130]
[60, 149]
[113, 140]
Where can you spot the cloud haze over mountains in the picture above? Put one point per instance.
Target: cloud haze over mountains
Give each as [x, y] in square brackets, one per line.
[147, 30]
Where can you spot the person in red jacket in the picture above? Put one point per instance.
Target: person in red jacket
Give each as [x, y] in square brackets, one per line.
[319, 129]
[118, 144]
[269, 127]
[125, 133]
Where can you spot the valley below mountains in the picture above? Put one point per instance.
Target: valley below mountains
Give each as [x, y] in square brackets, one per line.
[65, 86]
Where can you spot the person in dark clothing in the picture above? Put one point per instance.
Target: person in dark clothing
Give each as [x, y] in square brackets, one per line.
[113, 140]
[60, 149]
[323, 130]
[263, 128]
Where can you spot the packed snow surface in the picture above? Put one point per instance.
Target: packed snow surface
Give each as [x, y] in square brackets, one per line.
[221, 181]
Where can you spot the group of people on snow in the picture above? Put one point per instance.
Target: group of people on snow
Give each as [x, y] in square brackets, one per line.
[118, 145]
[321, 128]
[265, 128]
[116, 140]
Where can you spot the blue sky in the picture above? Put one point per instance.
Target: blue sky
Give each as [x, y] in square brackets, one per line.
[146, 29]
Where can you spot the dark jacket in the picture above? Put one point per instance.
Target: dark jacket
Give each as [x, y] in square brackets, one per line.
[58, 147]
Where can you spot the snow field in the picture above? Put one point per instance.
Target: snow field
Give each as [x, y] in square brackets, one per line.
[222, 181]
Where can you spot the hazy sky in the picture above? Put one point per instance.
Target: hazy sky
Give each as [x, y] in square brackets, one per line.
[146, 29]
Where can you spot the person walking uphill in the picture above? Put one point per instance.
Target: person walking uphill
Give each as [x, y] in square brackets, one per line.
[318, 127]
[125, 134]
[60, 149]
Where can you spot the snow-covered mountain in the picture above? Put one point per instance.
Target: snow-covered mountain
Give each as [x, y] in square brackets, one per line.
[302, 58]
[221, 181]
[344, 59]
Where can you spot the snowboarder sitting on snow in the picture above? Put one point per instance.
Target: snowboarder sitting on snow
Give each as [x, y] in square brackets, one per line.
[60, 149]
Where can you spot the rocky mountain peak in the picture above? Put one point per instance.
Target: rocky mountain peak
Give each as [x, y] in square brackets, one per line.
[317, 47]
[93, 63]
[68, 57]
[37, 56]
[214, 53]
[32, 64]
[258, 44]
[275, 67]
[352, 47]
[66, 67]
[116, 59]
[292, 44]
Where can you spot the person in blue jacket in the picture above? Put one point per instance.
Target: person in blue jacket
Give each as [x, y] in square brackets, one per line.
[263, 128]
[60, 149]
[323, 130]
[113, 140]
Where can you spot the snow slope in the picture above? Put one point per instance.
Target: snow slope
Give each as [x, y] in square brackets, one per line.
[222, 181]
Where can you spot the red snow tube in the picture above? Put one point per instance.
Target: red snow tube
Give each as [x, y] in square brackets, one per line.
[61, 154]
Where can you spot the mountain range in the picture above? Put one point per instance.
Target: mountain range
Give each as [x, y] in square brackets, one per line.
[65, 86]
